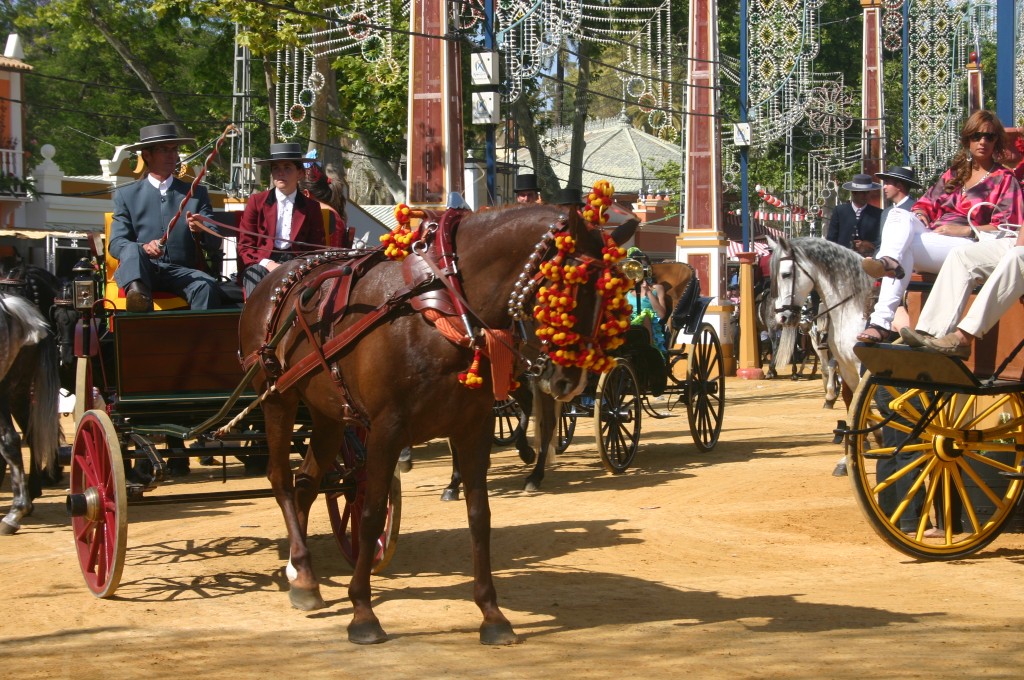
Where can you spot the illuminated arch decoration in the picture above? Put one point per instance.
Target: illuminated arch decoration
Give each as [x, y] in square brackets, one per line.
[363, 27]
[530, 32]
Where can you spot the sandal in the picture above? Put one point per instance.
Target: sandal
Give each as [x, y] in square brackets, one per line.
[875, 334]
[881, 267]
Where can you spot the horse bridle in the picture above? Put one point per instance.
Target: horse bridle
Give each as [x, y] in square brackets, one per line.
[792, 306]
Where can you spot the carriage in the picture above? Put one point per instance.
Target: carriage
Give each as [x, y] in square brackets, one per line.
[646, 381]
[150, 389]
[935, 445]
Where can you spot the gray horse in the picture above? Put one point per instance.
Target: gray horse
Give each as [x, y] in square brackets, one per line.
[28, 392]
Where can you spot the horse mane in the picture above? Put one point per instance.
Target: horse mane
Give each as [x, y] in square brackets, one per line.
[842, 264]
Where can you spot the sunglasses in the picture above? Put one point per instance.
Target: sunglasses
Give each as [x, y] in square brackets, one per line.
[987, 136]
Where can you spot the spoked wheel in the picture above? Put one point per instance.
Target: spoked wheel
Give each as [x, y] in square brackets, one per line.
[617, 413]
[98, 503]
[508, 416]
[931, 482]
[83, 387]
[345, 508]
[567, 425]
[705, 388]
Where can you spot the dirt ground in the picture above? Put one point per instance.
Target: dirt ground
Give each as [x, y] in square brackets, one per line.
[750, 561]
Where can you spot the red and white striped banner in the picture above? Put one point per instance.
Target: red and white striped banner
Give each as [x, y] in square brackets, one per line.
[735, 248]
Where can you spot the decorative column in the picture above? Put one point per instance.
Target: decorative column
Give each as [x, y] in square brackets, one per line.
[974, 84]
[435, 156]
[873, 142]
[702, 244]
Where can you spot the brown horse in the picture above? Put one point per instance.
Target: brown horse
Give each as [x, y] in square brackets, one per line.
[400, 376]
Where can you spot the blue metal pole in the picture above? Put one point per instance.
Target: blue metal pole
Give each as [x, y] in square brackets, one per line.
[744, 155]
[1005, 30]
[906, 83]
[490, 147]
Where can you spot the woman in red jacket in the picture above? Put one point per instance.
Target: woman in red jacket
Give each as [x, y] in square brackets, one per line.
[281, 223]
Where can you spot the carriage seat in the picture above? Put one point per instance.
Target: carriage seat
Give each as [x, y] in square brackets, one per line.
[115, 295]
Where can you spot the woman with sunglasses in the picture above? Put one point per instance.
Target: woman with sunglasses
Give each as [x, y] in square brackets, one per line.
[938, 222]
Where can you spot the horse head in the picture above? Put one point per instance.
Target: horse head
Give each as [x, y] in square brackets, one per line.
[791, 282]
[564, 376]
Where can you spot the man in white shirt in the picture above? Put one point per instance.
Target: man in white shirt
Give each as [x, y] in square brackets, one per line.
[280, 223]
[142, 214]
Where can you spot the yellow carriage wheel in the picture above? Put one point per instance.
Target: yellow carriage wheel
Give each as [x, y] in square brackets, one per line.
[942, 479]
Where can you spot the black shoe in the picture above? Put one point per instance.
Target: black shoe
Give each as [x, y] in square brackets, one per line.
[137, 297]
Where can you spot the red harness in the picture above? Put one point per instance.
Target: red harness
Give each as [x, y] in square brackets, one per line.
[320, 288]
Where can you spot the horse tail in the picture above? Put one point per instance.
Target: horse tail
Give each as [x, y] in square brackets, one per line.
[43, 431]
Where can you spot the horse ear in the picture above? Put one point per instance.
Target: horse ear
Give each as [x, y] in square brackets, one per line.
[625, 231]
[773, 245]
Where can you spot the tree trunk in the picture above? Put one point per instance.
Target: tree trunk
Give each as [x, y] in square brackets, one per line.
[269, 79]
[394, 183]
[326, 109]
[163, 102]
[579, 121]
[547, 180]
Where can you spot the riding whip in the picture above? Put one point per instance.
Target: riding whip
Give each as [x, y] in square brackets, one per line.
[199, 176]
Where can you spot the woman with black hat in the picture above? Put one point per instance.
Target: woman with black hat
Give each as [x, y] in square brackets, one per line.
[975, 184]
[280, 223]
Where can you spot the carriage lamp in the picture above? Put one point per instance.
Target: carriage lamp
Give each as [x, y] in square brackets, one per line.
[84, 284]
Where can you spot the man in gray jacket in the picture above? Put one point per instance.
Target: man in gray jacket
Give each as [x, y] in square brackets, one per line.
[142, 212]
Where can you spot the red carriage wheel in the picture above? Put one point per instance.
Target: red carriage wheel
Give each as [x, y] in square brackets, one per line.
[345, 522]
[83, 387]
[98, 503]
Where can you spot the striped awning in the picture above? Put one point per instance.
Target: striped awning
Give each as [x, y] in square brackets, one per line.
[736, 247]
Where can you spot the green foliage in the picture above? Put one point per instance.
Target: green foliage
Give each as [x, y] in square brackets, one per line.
[84, 99]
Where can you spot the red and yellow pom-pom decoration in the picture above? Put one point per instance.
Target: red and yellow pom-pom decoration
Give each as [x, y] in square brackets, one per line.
[556, 303]
[598, 201]
[471, 378]
[398, 241]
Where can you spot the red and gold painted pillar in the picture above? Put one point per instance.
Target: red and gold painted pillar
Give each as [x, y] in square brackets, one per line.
[974, 84]
[872, 106]
[435, 151]
[702, 243]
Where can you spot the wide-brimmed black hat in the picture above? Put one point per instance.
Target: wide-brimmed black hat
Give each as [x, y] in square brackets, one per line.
[526, 182]
[567, 197]
[900, 174]
[285, 151]
[862, 183]
[163, 133]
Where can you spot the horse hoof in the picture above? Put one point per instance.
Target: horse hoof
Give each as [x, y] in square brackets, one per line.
[829, 404]
[528, 457]
[404, 466]
[498, 634]
[839, 470]
[369, 633]
[450, 495]
[531, 486]
[306, 599]
[7, 529]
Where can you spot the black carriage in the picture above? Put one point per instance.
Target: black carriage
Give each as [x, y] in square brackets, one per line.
[935, 445]
[645, 380]
[167, 385]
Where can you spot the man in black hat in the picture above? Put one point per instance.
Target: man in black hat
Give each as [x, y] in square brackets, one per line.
[280, 223]
[142, 213]
[526, 189]
[897, 184]
[857, 224]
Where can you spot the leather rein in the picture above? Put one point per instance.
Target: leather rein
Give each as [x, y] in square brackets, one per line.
[322, 282]
[792, 306]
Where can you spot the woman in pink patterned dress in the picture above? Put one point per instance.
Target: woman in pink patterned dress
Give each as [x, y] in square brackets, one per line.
[921, 239]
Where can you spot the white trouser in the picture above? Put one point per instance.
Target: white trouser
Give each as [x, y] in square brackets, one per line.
[917, 248]
[999, 263]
